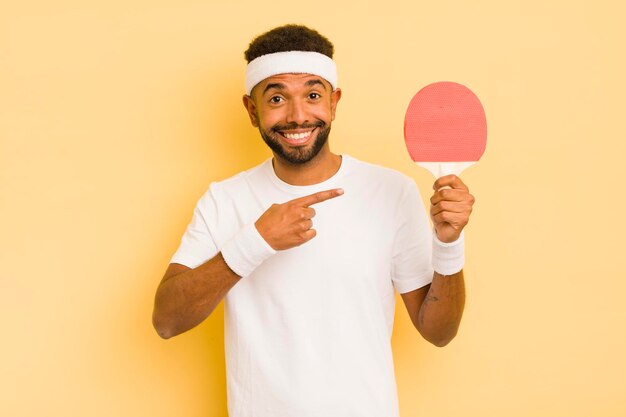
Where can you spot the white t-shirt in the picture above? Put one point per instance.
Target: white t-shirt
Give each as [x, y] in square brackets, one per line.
[308, 333]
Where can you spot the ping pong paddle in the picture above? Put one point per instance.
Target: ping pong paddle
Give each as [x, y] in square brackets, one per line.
[445, 129]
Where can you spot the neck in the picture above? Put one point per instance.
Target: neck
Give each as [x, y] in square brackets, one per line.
[319, 169]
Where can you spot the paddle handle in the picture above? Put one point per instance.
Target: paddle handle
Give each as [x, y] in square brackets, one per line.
[440, 169]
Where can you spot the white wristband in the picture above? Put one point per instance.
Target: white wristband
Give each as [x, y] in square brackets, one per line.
[246, 251]
[448, 258]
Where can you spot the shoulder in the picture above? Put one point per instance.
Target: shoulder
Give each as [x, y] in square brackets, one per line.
[239, 183]
[224, 196]
[378, 175]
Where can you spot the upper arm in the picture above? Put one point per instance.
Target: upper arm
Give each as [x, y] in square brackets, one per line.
[411, 263]
[198, 243]
[413, 301]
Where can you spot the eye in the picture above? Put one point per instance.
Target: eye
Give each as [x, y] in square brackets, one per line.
[314, 96]
[276, 99]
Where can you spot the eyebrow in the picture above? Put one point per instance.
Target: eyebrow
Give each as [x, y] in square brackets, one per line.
[277, 86]
[281, 86]
[315, 81]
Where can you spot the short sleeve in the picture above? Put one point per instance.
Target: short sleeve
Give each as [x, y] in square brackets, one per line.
[412, 249]
[198, 244]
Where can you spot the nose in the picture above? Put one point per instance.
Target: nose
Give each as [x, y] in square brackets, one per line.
[297, 112]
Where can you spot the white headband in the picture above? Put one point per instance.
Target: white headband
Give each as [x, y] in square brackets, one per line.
[297, 62]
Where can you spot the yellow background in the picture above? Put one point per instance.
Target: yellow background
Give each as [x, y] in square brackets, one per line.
[115, 116]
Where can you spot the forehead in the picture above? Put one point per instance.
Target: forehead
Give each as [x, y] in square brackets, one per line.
[291, 81]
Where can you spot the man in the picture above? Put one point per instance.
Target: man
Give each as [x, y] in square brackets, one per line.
[307, 249]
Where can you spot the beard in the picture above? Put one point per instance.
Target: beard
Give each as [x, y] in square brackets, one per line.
[299, 154]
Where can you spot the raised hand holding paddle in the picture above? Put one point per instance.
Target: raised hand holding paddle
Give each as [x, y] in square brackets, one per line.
[445, 131]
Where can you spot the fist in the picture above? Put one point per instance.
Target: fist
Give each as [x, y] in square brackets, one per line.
[450, 207]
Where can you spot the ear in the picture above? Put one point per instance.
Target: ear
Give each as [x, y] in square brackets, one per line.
[248, 103]
[334, 99]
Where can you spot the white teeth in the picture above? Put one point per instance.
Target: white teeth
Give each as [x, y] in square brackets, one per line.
[297, 136]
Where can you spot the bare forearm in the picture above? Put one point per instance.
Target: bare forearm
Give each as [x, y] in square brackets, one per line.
[186, 296]
[440, 313]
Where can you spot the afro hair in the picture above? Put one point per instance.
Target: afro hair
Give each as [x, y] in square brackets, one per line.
[289, 38]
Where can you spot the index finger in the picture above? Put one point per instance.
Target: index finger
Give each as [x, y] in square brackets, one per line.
[451, 181]
[318, 197]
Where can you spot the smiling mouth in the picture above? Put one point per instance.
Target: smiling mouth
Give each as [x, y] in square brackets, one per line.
[296, 138]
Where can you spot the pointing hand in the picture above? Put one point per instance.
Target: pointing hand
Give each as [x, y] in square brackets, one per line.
[284, 226]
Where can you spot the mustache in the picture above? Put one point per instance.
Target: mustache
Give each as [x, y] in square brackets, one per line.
[294, 126]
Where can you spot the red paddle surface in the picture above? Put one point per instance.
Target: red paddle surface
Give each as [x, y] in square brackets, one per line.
[445, 122]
